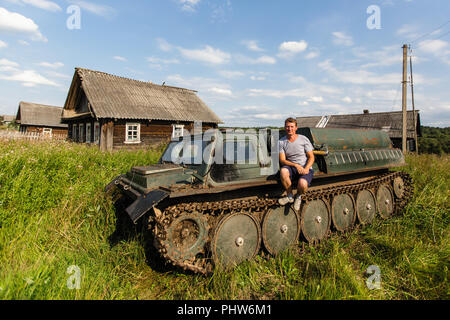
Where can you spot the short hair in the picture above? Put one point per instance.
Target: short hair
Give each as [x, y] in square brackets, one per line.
[291, 120]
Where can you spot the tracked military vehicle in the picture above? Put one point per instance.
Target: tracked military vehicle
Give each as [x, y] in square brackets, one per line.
[212, 198]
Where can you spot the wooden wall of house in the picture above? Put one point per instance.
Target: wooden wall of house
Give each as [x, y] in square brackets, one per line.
[112, 135]
[39, 129]
[152, 133]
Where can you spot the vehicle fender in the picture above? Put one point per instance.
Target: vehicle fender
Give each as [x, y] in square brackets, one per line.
[144, 203]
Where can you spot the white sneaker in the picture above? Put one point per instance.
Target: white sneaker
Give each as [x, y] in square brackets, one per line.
[285, 200]
[297, 203]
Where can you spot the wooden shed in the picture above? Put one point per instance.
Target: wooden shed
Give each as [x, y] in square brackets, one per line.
[116, 112]
[7, 119]
[40, 118]
[391, 122]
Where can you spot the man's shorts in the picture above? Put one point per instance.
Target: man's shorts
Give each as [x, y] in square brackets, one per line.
[295, 176]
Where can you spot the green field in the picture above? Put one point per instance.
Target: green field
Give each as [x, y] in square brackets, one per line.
[56, 222]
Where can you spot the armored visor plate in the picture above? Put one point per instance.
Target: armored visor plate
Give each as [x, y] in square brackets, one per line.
[315, 220]
[343, 212]
[385, 201]
[365, 206]
[144, 203]
[237, 238]
[280, 229]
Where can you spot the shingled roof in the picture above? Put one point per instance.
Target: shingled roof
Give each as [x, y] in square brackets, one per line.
[391, 122]
[115, 97]
[34, 114]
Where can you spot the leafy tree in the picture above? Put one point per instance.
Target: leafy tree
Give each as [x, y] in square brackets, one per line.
[434, 140]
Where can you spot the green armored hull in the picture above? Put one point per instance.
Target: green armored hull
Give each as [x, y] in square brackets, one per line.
[212, 198]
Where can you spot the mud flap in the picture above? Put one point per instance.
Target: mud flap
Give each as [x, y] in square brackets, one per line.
[144, 203]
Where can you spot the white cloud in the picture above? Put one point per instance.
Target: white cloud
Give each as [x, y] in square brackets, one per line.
[386, 56]
[211, 88]
[438, 48]
[8, 63]
[164, 45]
[28, 78]
[3, 44]
[297, 79]
[312, 54]
[97, 9]
[291, 48]
[231, 74]
[58, 75]
[23, 42]
[252, 45]
[315, 99]
[279, 94]
[347, 100]
[17, 23]
[208, 55]
[261, 60]
[270, 116]
[119, 58]
[265, 60]
[408, 31]
[433, 46]
[221, 91]
[359, 76]
[340, 38]
[42, 4]
[54, 65]
[163, 61]
[257, 78]
[189, 5]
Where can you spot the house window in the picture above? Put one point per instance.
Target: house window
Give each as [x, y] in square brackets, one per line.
[88, 132]
[47, 132]
[178, 130]
[133, 133]
[75, 132]
[81, 132]
[96, 132]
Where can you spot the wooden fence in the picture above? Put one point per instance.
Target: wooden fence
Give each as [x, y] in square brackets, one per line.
[16, 135]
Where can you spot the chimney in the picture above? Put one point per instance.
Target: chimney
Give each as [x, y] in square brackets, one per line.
[365, 111]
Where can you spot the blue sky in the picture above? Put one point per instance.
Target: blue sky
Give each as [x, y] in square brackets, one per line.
[253, 62]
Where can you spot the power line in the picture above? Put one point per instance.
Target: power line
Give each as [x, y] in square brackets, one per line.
[426, 42]
[427, 34]
[443, 35]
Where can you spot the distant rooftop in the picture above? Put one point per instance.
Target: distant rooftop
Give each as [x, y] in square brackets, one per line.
[39, 115]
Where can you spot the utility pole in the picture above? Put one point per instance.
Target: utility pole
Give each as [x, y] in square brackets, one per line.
[404, 82]
[413, 108]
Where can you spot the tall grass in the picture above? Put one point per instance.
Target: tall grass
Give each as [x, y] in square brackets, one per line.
[54, 214]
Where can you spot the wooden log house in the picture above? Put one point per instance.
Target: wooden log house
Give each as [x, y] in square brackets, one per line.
[39, 118]
[116, 112]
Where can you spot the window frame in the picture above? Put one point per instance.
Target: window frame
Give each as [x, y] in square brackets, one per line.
[47, 131]
[174, 129]
[96, 132]
[137, 140]
[82, 133]
[75, 132]
[88, 132]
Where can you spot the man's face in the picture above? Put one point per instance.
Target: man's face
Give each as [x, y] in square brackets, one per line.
[290, 128]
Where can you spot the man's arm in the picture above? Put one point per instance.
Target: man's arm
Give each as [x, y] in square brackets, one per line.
[309, 164]
[285, 162]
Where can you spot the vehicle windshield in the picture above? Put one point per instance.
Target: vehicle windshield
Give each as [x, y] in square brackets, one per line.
[186, 152]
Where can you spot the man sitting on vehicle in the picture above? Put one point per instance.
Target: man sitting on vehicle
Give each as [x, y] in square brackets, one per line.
[296, 160]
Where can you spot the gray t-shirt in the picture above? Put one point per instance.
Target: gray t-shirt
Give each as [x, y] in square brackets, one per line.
[296, 151]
